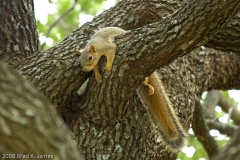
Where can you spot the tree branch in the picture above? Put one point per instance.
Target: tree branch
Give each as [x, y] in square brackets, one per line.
[226, 105]
[222, 128]
[210, 104]
[227, 37]
[63, 15]
[214, 98]
[175, 36]
[162, 41]
[232, 150]
[202, 132]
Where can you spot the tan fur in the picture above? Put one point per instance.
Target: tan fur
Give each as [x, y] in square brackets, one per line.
[99, 45]
[162, 112]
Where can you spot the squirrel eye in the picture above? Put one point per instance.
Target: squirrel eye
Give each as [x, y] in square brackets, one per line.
[90, 58]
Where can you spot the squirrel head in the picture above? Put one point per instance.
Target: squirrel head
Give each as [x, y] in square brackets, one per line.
[89, 57]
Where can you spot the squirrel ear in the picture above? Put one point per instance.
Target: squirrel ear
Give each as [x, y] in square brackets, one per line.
[79, 51]
[92, 48]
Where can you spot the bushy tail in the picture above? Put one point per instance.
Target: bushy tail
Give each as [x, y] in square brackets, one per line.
[163, 115]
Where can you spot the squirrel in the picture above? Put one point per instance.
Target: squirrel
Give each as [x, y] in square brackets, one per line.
[99, 45]
[154, 97]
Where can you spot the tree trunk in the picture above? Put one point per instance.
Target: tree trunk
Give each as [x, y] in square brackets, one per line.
[109, 121]
[18, 32]
[30, 126]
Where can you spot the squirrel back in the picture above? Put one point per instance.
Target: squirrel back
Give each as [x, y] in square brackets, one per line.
[153, 95]
[107, 34]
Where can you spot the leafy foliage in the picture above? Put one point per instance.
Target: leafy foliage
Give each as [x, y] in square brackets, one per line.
[197, 153]
[70, 21]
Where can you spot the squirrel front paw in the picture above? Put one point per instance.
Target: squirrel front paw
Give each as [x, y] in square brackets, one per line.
[98, 78]
[108, 68]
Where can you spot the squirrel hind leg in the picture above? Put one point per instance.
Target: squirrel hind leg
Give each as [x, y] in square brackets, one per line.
[149, 86]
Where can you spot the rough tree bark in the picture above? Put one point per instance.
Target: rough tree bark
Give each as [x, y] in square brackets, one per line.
[18, 31]
[30, 126]
[109, 122]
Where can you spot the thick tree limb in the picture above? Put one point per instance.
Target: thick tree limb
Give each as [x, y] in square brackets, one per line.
[29, 123]
[162, 41]
[227, 37]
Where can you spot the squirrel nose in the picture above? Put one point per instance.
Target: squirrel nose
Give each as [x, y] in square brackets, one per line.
[85, 70]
